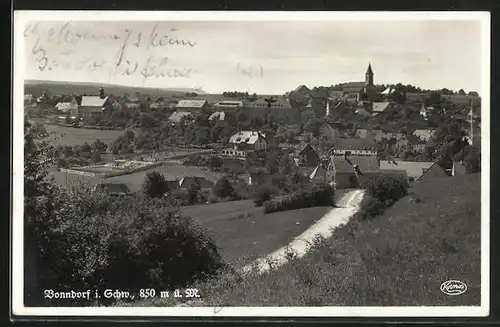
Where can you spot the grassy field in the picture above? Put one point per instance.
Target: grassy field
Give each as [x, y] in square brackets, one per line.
[77, 136]
[399, 258]
[171, 172]
[242, 231]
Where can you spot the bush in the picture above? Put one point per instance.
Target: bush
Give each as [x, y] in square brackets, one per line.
[262, 194]
[223, 188]
[155, 185]
[387, 188]
[370, 207]
[93, 241]
[317, 195]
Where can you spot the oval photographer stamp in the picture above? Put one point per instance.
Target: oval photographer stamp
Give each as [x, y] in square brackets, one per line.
[453, 287]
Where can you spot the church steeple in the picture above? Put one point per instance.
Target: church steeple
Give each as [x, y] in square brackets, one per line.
[369, 75]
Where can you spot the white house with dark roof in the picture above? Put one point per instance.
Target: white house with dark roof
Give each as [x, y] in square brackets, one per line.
[177, 116]
[424, 134]
[191, 105]
[249, 140]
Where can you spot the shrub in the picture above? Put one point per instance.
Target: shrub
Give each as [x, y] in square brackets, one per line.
[317, 195]
[370, 207]
[93, 241]
[155, 185]
[387, 188]
[262, 194]
[223, 188]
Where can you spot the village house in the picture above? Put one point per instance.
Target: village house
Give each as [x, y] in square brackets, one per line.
[342, 174]
[426, 110]
[177, 116]
[416, 144]
[379, 107]
[319, 174]
[218, 115]
[188, 181]
[280, 111]
[424, 134]
[93, 106]
[241, 143]
[354, 146]
[192, 105]
[331, 131]
[307, 156]
[69, 105]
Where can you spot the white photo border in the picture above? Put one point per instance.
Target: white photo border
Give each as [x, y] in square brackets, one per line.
[17, 258]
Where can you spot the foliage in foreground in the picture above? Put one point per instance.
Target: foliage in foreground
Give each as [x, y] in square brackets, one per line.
[313, 196]
[80, 238]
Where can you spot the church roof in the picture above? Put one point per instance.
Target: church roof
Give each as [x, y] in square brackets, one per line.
[369, 70]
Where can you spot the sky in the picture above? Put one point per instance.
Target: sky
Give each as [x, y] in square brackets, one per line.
[266, 57]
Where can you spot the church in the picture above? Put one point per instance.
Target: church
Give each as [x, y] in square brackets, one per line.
[361, 91]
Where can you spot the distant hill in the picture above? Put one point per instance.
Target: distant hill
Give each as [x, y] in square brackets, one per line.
[35, 87]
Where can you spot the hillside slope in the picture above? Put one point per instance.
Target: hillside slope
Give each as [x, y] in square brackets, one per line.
[398, 259]
[56, 88]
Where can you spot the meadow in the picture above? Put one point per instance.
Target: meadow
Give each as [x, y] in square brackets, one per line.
[170, 171]
[399, 258]
[77, 136]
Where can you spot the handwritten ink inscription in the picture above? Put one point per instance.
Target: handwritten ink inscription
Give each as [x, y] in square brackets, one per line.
[119, 64]
[252, 71]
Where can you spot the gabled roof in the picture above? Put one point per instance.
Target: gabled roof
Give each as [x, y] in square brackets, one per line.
[380, 106]
[318, 172]
[191, 103]
[424, 134]
[302, 89]
[229, 104]
[388, 90]
[303, 147]
[66, 106]
[362, 112]
[246, 137]
[187, 181]
[354, 143]
[414, 140]
[93, 101]
[261, 103]
[218, 115]
[413, 168]
[365, 163]
[178, 115]
[433, 171]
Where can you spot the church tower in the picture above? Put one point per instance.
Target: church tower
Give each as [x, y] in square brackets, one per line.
[369, 75]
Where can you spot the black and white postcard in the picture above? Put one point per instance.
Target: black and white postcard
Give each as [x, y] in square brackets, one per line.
[292, 164]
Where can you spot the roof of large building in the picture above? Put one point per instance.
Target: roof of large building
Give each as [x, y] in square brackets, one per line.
[229, 104]
[354, 143]
[115, 188]
[380, 106]
[93, 101]
[178, 115]
[247, 137]
[262, 103]
[424, 134]
[218, 115]
[191, 103]
[365, 163]
[187, 181]
[66, 106]
[413, 168]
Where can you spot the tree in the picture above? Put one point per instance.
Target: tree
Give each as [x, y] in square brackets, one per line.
[215, 163]
[461, 92]
[472, 160]
[147, 121]
[434, 99]
[155, 185]
[473, 93]
[223, 188]
[99, 146]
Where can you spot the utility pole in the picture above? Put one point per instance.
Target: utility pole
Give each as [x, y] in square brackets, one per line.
[472, 122]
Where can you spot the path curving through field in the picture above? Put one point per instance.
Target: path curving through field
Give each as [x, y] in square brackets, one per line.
[347, 206]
